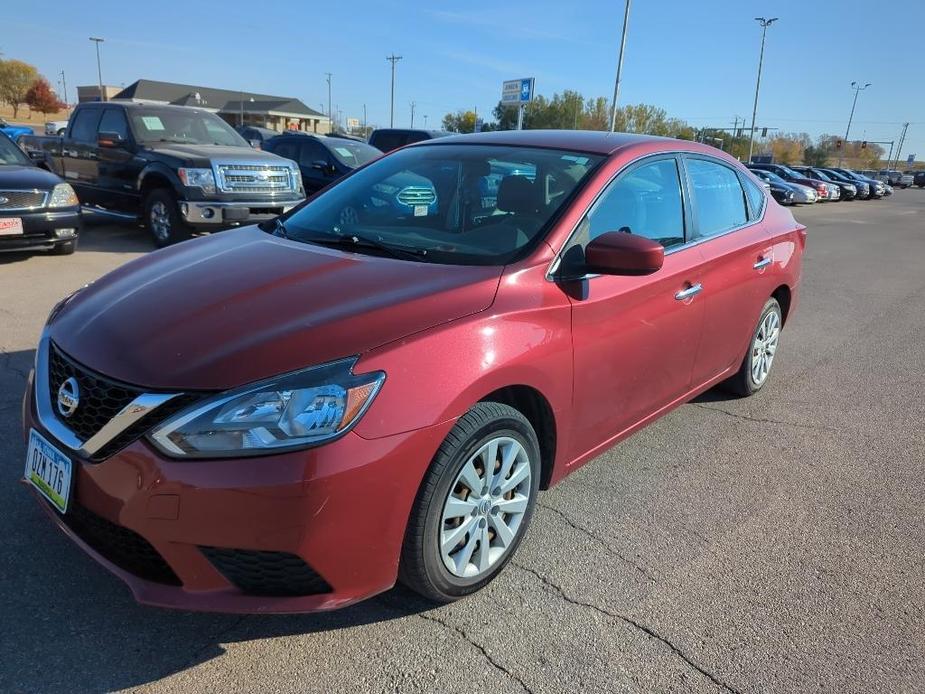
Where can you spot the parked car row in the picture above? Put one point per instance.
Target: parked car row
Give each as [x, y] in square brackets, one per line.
[809, 184]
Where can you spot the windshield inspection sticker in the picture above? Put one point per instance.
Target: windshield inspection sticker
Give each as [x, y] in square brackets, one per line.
[420, 210]
[152, 122]
[343, 151]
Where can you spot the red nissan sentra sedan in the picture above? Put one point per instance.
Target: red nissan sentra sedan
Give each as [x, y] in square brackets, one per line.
[375, 387]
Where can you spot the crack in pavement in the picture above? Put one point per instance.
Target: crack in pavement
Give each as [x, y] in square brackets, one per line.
[762, 420]
[648, 631]
[598, 540]
[462, 633]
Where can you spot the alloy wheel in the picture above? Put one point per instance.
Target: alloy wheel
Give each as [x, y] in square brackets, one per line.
[764, 347]
[485, 508]
[160, 221]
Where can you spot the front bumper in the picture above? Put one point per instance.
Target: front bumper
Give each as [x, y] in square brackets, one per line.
[42, 229]
[338, 511]
[214, 214]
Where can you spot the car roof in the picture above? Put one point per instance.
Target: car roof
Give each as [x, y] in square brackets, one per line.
[591, 141]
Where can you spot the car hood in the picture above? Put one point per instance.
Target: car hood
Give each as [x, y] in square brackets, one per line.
[213, 153]
[16, 176]
[236, 307]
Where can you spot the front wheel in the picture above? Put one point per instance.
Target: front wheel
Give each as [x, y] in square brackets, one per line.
[474, 505]
[756, 367]
[162, 218]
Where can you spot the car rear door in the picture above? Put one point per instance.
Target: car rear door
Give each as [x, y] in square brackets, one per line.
[635, 338]
[727, 210]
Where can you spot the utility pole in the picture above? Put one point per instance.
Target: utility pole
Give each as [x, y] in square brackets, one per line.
[392, 59]
[64, 87]
[330, 113]
[857, 90]
[899, 147]
[616, 86]
[365, 133]
[99, 70]
[425, 121]
[765, 23]
[412, 114]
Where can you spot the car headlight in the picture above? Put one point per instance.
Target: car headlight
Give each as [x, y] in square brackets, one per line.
[197, 178]
[62, 195]
[297, 410]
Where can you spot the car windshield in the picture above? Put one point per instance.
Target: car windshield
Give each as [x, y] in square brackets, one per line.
[456, 204]
[771, 176]
[184, 126]
[791, 172]
[10, 154]
[351, 153]
[814, 173]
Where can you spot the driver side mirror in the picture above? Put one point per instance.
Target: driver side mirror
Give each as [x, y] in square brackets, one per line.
[619, 253]
[109, 140]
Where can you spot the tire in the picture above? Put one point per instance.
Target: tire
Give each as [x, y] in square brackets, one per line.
[750, 379]
[162, 218]
[61, 132]
[424, 566]
[65, 247]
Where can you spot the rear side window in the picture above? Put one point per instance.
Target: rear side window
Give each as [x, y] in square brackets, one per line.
[113, 121]
[719, 202]
[388, 141]
[287, 150]
[646, 202]
[755, 198]
[84, 128]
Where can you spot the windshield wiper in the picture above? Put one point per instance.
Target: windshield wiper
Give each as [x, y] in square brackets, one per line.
[279, 229]
[355, 241]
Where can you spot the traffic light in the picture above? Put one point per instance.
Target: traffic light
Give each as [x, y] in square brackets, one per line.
[838, 143]
[764, 132]
[864, 144]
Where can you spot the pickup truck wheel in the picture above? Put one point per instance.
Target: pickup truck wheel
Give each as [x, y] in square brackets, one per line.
[162, 218]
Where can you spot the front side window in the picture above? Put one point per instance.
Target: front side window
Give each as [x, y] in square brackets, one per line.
[646, 202]
[719, 202]
[10, 153]
[439, 203]
[113, 121]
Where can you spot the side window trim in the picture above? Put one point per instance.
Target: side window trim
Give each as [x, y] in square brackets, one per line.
[685, 156]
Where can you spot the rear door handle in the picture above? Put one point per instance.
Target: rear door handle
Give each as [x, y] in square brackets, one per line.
[693, 290]
[764, 262]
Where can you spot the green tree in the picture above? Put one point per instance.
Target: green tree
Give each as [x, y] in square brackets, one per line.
[460, 122]
[16, 77]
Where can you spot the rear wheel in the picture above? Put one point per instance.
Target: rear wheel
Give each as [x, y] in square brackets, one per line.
[756, 367]
[162, 218]
[474, 505]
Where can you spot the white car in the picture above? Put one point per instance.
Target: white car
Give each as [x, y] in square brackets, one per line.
[55, 127]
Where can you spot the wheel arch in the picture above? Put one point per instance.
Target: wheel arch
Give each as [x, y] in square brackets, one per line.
[784, 295]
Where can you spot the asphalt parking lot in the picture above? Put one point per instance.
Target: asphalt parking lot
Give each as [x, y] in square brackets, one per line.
[774, 544]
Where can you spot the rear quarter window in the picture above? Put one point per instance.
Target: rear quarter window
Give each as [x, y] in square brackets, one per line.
[756, 198]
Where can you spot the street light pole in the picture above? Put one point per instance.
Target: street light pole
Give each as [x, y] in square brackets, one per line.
[99, 70]
[765, 23]
[392, 59]
[64, 88]
[330, 115]
[616, 86]
[412, 113]
[857, 90]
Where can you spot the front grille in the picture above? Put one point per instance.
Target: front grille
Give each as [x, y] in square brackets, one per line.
[254, 178]
[275, 574]
[417, 195]
[100, 398]
[123, 547]
[22, 199]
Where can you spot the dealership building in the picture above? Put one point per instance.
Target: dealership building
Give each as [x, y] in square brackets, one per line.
[236, 107]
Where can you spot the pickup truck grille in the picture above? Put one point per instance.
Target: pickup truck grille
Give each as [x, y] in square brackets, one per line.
[22, 199]
[254, 178]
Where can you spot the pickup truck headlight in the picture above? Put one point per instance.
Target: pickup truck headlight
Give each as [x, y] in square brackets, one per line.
[62, 195]
[293, 411]
[198, 178]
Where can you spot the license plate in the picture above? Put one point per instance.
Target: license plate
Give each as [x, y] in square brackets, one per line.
[48, 470]
[10, 226]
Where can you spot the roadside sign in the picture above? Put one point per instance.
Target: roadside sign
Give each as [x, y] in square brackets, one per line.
[517, 92]
[910, 159]
[353, 122]
[478, 125]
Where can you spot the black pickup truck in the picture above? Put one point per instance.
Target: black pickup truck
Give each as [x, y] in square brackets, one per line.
[176, 168]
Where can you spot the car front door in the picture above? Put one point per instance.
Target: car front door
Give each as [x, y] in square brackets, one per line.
[635, 338]
[727, 210]
[316, 165]
[118, 168]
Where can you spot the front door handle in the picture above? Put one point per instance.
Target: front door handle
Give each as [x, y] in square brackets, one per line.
[764, 262]
[693, 290]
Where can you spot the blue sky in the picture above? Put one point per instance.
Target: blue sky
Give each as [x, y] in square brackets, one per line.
[697, 59]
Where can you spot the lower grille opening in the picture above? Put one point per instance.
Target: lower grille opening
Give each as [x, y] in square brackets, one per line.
[271, 574]
[123, 547]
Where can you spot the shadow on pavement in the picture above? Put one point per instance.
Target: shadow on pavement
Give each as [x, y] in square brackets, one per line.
[69, 625]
